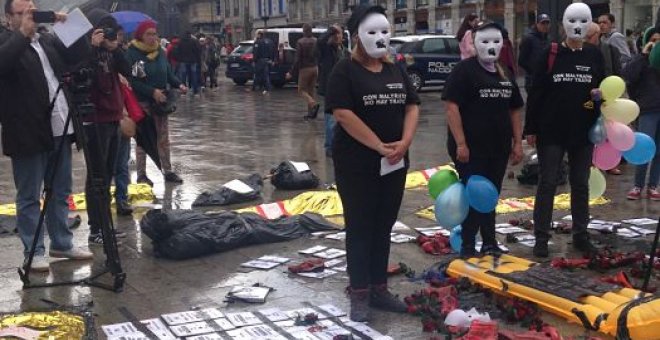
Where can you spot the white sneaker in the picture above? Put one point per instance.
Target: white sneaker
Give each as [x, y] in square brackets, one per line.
[39, 264]
[72, 254]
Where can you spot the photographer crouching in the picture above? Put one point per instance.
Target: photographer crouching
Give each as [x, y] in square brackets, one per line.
[33, 132]
[102, 126]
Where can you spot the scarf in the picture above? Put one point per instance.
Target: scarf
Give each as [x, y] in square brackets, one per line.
[151, 51]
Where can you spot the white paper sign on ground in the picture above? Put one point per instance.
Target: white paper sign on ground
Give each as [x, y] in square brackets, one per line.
[430, 231]
[304, 311]
[181, 317]
[320, 275]
[525, 237]
[260, 264]
[243, 319]
[302, 334]
[212, 336]
[606, 222]
[640, 221]
[277, 259]
[250, 294]
[255, 332]
[238, 186]
[119, 329]
[337, 236]
[331, 253]
[211, 313]
[627, 233]
[300, 166]
[332, 263]
[272, 210]
[190, 329]
[399, 226]
[312, 250]
[510, 230]
[401, 238]
[130, 336]
[601, 227]
[75, 27]
[332, 310]
[499, 244]
[274, 314]
[157, 327]
[224, 324]
[641, 230]
[340, 268]
[530, 243]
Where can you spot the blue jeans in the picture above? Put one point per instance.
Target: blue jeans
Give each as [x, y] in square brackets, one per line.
[649, 123]
[122, 177]
[190, 75]
[30, 173]
[329, 130]
[262, 75]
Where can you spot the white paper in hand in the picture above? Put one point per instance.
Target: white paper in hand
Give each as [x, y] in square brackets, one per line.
[386, 167]
[238, 186]
[75, 26]
[300, 166]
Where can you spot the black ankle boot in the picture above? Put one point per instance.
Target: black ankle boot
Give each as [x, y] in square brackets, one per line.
[583, 244]
[381, 298]
[359, 304]
[540, 248]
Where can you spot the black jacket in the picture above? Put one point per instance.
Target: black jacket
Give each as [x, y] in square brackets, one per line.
[188, 51]
[328, 56]
[264, 48]
[531, 49]
[24, 96]
[643, 82]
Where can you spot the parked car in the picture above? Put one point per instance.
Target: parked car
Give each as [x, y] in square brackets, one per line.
[240, 65]
[429, 59]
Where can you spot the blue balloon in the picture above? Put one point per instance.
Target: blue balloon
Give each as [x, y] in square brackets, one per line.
[451, 206]
[456, 239]
[642, 152]
[597, 133]
[482, 194]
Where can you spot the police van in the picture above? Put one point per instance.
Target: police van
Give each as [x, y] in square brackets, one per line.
[429, 59]
[289, 36]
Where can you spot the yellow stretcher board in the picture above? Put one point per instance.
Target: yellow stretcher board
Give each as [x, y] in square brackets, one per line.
[643, 320]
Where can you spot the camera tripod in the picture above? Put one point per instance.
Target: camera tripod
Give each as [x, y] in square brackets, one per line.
[78, 102]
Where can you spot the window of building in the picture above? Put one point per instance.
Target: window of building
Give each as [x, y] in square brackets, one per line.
[421, 3]
[401, 4]
[345, 6]
[227, 9]
[333, 7]
[237, 7]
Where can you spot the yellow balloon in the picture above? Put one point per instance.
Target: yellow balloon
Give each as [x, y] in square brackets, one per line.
[612, 87]
[621, 110]
[597, 183]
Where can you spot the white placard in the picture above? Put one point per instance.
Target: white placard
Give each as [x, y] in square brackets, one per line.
[332, 310]
[258, 264]
[224, 324]
[159, 329]
[272, 210]
[640, 221]
[211, 313]
[119, 329]
[270, 258]
[340, 236]
[243, 319]
[300, 166]
[302, 334]
[130, 336]
[642, 231]
[601, 227]
[238, 186]
[401, 238]
[605, 222]
[386, 167]
[627, 233]
[250, 294]
[400, 226]
[260, 332]
[274, 314]
[190, 329]
[331, 253]
[332, 263]
[320, 275]
[503, 225]
[499, 244]
[510, 230]
[75, 27]
[212, 336]
[173, 319]
[525, 237]
[340, 268]
[312, 250]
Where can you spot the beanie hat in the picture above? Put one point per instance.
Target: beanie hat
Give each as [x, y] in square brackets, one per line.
[143, 27]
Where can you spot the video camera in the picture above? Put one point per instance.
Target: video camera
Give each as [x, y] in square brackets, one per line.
[79, 83]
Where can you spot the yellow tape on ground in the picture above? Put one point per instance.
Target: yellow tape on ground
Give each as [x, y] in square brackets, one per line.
[421, 178]
[137, 193]
[510, 205]
[326, 203]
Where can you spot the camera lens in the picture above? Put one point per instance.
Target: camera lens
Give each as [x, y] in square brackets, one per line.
[110, 33]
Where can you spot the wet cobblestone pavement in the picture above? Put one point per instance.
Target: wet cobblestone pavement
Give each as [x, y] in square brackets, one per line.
[228, 133]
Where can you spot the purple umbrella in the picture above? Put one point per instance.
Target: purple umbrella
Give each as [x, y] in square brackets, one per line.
[129, 20]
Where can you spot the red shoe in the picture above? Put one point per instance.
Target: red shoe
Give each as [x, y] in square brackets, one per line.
[653, 194]
[634, 194]
[311, 265]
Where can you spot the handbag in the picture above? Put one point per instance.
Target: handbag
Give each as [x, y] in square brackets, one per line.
[132, 105]
[166, 108]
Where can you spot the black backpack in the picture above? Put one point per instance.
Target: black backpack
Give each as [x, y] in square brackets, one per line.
[529, 174]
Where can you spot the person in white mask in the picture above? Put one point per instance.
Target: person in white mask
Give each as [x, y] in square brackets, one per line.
[483, 105]
[376, 109]
[558, 122]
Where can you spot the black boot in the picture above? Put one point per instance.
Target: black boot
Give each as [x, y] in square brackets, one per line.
[359, 304]
[540, 248]
[381, 298]
[583, 244]
[173, 178]
[123, 208]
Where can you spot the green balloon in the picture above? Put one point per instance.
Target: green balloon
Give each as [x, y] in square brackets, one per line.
[440, 181]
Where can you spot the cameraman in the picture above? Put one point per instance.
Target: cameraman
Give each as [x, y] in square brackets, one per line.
[30, 67]
[102, 127]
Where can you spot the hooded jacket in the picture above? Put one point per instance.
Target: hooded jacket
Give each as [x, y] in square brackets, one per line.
[105, 91]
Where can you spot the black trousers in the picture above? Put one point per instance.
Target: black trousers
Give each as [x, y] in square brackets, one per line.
[103, 144]
[493, 169]
[579, 163]
[371, 205]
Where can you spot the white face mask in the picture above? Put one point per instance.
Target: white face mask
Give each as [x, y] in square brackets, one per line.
[488, 43]
[375, 33]
[576, 21]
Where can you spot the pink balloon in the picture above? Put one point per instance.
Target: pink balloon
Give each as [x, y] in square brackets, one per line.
[605, 156]
[620, 135]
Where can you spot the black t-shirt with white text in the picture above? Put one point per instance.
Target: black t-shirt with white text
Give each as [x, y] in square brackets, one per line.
[556, 109]
[485, 100]
[379, 99]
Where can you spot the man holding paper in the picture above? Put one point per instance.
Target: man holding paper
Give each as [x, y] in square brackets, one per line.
[31, 65]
